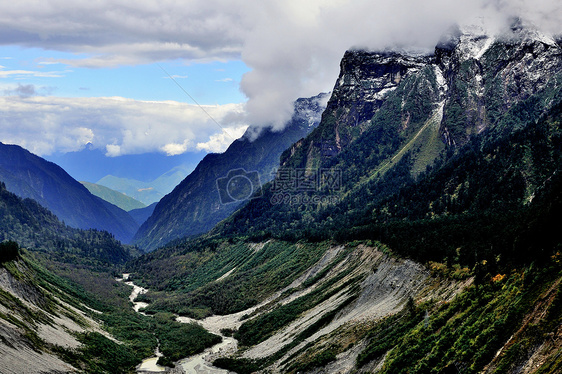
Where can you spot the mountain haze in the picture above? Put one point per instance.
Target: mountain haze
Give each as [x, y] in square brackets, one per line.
[114, 197]
[140, 215]
[146, 192]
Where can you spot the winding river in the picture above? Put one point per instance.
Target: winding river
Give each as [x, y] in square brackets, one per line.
[196, 364]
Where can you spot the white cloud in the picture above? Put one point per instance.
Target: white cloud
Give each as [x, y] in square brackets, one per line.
[118, 125]
[218, 143]
[293, 47]
[121, 31]
[48, 62]
[32, 73]
[172, 149]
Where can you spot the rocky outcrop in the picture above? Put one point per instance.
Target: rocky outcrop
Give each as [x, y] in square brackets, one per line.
[489, 74]
[364, 84]
[365, 80]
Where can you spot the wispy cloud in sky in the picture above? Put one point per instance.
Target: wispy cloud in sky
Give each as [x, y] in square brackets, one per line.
[33, 73]
[292, 47]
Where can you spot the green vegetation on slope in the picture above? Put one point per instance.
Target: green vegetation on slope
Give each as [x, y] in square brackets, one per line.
[98, 354]
[183, 279]
[87, 291]
[260, 328]
[490, 190]
[30, 176]
[465, 335]
[180, 340]
[493, 206]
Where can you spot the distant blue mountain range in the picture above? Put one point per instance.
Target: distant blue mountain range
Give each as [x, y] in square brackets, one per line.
[92, 164]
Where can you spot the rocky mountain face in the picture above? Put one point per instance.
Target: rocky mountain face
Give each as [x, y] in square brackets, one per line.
[361, 90]
[30, 176]
[410, 114]
[465, 87]
[486, 76]
[196, 204]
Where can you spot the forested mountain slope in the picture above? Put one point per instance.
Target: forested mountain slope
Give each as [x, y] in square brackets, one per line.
[34, 227]
[395, 119]
[30, 176]
[415, 230]
[44, 325]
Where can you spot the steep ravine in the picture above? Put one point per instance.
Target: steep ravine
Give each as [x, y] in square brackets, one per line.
[344, 294]
[149, 365]
[353, 300]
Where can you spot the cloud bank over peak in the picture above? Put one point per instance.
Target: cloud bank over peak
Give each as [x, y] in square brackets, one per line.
[295, 51]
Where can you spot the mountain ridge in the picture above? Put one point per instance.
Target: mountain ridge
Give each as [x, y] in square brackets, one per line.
[195, 205]
[146, 192]
[407, 123]
[30, 176]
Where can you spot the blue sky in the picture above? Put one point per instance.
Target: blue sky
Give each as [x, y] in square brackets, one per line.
[213, 82]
